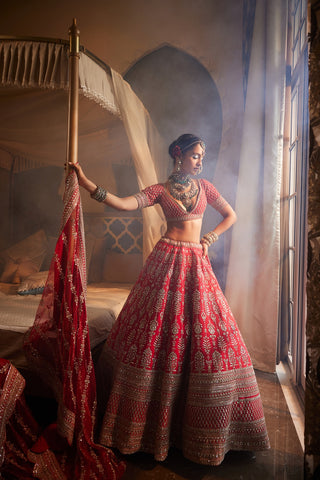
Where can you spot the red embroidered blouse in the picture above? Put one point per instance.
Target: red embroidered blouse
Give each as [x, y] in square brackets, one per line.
[173, 210]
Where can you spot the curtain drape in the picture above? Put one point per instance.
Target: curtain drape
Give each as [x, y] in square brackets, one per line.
[32, 64]
[252, 286]
[284, 321]
[96, 84]
[148, 155]
[33, 95]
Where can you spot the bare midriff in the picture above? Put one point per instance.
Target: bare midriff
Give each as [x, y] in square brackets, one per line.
[184, 231]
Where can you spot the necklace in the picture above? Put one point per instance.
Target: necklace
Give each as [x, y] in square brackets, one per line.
[181, 178]
[178, 185]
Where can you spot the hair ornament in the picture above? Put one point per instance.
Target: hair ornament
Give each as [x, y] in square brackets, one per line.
[202, 145]
[176, 152]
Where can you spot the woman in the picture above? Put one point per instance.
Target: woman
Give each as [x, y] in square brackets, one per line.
[181, 374]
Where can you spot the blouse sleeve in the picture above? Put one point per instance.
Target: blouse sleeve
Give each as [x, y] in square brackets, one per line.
[213, 197]
[149, 196]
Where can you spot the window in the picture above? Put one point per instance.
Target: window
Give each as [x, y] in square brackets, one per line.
[297, 199]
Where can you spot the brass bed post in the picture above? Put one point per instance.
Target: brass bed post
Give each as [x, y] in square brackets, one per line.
[73, 114]
[73, 108]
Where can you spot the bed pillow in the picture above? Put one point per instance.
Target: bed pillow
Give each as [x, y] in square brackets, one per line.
[24, 258]
[34, 284]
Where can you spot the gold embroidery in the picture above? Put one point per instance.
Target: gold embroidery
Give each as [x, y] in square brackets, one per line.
[181, 369]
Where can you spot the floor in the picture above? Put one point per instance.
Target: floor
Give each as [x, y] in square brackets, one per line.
[284, 461]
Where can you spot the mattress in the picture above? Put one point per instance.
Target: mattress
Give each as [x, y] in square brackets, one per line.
[17, 314]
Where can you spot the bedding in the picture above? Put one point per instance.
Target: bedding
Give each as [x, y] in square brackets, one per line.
[17, 314]
[23, 258]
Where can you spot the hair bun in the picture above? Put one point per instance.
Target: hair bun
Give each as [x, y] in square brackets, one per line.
[184, 142]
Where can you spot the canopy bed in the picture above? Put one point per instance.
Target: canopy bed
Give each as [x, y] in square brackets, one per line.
[61, 104]
[114, 134]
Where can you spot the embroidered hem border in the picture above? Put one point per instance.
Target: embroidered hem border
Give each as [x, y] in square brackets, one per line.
[221, 412]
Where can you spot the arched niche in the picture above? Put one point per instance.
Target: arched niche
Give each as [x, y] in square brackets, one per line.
[181, 97]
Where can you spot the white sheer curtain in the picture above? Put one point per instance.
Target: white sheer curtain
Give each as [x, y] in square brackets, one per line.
[148, 155]
[252, 286]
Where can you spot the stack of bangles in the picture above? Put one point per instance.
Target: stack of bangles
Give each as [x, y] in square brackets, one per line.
[209, 238]
[100, 194]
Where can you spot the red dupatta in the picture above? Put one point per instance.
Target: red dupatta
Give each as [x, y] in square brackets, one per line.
[18, 429]
[58, 347]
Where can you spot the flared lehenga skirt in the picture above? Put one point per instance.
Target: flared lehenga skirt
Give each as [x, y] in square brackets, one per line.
[180, 372]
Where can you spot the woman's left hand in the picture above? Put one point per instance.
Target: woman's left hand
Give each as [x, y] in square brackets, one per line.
[204, 249]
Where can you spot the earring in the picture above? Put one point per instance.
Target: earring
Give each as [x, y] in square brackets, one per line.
[179, 165]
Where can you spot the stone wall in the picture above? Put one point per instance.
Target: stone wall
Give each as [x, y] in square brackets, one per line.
[312, 397]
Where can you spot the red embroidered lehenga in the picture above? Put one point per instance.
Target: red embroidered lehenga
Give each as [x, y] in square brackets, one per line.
[181, 374]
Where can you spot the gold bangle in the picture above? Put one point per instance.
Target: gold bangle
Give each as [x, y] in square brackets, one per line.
[210, 238]
[100, 194]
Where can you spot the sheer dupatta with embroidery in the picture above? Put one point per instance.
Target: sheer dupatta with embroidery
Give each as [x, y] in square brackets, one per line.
[58, 348]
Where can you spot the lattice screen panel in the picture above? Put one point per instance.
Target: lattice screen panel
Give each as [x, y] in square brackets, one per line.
[123, 234]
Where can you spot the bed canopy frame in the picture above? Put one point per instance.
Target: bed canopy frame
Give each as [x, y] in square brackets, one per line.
[59, 103]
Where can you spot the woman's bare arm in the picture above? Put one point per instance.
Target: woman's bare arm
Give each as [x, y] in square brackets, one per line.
[229, 218]
[124, 203]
